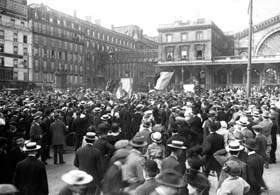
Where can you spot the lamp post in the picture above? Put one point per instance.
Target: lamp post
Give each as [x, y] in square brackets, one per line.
[250, 49]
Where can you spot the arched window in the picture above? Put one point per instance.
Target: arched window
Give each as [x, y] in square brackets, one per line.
[237, 76]
[270, 76]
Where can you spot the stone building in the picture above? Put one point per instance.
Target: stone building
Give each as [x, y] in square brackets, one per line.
[200, 51]
[15, 45]
[58, 45]
[71, 52]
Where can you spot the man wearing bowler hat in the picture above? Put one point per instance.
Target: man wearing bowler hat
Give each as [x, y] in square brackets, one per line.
[30, 175]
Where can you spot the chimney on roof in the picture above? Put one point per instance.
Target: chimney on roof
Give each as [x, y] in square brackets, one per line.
[75, 13]
[97, 22]
[88, 18]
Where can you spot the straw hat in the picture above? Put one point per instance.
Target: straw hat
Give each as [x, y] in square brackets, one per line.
[8, 189]
[90, 136]
[234, 146]
[76, 177]
[156, 137]
[177, 144]
[243, 121]
[31, 146]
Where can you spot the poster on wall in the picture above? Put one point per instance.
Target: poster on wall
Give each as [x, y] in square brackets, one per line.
[188, 88]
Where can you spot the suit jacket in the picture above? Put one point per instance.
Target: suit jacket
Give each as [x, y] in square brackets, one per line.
[213, 143]
[261, 145]
[255, 173]
[113, 180]
[171, 162]
[80, 126]
[182, 158]
[88, 159]
[14, 157]
[106, 150]
[206, 127]
[222, 159]
[57, 130]
[36, 133]
[221, 116]
[267, 125]
[147, 187]
[31, 177]
[133, 169]
[5, 174]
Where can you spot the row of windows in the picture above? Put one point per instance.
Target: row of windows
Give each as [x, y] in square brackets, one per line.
[12, 21]
[111, 39]
[184, 53]
[57, 43]
[54, 31]
[50, 78]
[74, 26]
[15, 37]
[52, 67]
[57, 21]
[101, 47]
[16, 76]
[60, 55]
[184, 36]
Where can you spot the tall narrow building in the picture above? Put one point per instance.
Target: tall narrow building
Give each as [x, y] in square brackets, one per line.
[15, 45]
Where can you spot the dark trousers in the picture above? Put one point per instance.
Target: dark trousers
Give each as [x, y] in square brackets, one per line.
[273, 149]
[58, 151]
[79, 141]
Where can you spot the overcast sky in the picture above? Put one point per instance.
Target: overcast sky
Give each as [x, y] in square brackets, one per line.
[229, 15]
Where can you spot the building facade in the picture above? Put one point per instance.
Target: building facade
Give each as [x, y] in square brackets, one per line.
[71, 52]
[200, 51]
[15, 45]
[58, 48]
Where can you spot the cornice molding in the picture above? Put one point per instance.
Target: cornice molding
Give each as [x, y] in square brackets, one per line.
[258, 27]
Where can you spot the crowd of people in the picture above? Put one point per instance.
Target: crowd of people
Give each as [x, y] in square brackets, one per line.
[158, 143]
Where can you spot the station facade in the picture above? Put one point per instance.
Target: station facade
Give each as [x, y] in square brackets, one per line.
[200, 51]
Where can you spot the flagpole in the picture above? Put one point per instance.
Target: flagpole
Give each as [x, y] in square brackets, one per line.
[250, 49]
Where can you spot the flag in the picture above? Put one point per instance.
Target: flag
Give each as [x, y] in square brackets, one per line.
[125, 88]
[163, 80]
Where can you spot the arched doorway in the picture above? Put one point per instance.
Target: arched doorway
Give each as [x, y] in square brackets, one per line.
[270, 76]
[237, 76]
